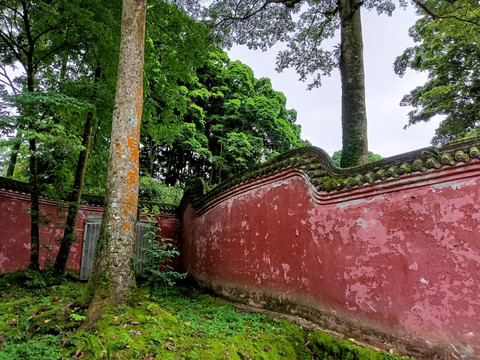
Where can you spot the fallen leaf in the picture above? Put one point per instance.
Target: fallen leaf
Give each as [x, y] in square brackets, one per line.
[135, 332]
[168, 346]
[267, 348]
[78, 354]
[134, 323]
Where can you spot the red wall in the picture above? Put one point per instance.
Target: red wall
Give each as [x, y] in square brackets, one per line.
[394, 263]
[15, 230]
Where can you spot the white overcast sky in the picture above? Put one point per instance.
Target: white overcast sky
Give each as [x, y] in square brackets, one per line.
[319, 110]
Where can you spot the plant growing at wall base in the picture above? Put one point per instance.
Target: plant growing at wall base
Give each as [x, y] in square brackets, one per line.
[158, 255]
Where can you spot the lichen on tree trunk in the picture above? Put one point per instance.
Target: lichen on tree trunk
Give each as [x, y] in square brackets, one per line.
[112, 276]
[354, 114]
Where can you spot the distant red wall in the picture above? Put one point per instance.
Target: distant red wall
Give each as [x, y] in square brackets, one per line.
[395, 263]
[15, 230]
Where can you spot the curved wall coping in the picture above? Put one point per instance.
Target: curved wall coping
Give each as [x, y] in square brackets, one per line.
[329, 184]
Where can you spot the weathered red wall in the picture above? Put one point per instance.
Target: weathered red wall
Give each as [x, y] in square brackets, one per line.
[394, 263]
[15, 230]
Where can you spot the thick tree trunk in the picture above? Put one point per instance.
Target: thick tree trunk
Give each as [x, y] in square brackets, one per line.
[354, 114]
[74, 201]
[112, 277]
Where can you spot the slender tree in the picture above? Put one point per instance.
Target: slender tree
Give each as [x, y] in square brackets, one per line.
[303, 25]
[26, 37]
[74, 200]
[112, 277]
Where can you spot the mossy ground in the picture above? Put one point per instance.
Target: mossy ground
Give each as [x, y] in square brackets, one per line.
[39, 321]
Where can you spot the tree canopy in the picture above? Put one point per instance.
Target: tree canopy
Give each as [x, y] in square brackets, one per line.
[447, 37]
[231, 121]
[303, 25]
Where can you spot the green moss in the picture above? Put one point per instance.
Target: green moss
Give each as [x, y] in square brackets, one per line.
[327, 347]
[183, 324]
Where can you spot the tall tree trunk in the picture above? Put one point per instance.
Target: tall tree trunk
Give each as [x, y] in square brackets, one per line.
[354, 114]
[74, 201]
[112, 277]
[30, 70]
[69, 232]
[34, 210]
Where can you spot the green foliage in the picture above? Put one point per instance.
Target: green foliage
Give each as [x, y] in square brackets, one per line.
[158, 255]
[77, 317]
[232, 122]
[447, 50]
[44, 348]
[304, 25]
[337, 156]
[39, 324]
[153, 190]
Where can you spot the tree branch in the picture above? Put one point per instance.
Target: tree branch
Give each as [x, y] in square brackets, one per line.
[8, 81]
[435, 16]
[251, 12]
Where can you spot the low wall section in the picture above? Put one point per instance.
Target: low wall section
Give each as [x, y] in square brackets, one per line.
[15, 228]
[387, 253]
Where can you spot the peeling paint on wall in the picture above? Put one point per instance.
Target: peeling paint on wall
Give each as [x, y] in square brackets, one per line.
[404, 262]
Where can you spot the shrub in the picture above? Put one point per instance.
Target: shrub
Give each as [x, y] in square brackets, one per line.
[156, 191]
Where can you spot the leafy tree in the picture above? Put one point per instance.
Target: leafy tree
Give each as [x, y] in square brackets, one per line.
[112, 275]
[94, 63]
[52, 41]
[447, 38]
[38, 37]
[303, 25]
[232, 121]
[176, 46]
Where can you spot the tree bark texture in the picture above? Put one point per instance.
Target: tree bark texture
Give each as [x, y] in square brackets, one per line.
[354, 114]
[112, 276]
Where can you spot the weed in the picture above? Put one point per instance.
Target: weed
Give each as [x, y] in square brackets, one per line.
[42, 348]
[158, 255]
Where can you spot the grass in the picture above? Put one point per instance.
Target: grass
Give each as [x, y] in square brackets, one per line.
[40, 322]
